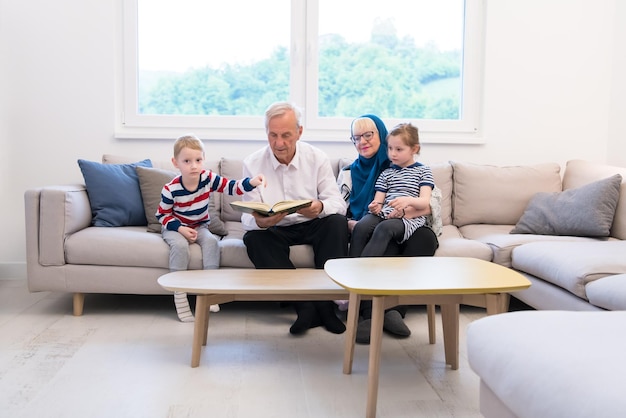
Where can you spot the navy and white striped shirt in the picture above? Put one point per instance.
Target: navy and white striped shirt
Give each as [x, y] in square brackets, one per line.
[398, 181]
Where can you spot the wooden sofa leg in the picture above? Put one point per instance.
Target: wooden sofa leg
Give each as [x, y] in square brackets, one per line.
[432, 329]
[79, 303]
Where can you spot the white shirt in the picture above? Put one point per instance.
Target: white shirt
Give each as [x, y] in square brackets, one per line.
[308, 176]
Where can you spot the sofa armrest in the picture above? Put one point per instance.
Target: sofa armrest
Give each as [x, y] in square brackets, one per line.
[53, 213]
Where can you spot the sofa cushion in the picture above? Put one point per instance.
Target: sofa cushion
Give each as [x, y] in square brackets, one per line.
[131, 246]
[552, 364]
[232, 169]
[585, 211]
[579, 172]
[452, 244]
[151, 182]
[128, 246]
[114, 193]
[608, 292]
[502, 243]
[498, 195]
[571, 265]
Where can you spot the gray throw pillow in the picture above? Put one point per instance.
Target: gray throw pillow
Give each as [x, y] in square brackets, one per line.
[151, 182]
[586, 211]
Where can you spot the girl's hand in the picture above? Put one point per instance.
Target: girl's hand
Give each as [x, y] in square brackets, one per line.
[259, 180]
[375, 207]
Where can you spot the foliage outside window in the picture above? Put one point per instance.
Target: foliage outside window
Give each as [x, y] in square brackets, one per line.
[336, 69]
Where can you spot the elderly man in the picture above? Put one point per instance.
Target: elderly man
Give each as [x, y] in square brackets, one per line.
[296, 170]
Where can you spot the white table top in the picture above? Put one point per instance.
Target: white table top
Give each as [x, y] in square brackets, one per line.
[423, 276]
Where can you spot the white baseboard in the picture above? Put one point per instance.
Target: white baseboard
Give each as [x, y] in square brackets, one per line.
[12, 270]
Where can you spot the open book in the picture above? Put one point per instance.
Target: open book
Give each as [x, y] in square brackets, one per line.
[289, 206]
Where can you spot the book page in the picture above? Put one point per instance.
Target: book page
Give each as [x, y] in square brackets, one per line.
[264, 207]
[289, 206]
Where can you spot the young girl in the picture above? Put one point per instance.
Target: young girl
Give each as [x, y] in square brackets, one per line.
[405, 183]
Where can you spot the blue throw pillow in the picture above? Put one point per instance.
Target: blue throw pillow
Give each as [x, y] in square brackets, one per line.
[114, 193]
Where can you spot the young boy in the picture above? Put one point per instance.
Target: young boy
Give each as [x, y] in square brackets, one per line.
[184, 211]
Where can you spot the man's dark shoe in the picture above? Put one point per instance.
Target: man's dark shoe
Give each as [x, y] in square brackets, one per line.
[308, 317]
[326, 311]
[363, 330]
[394, 324]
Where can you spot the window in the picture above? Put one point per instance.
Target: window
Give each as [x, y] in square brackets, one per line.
[214, 67]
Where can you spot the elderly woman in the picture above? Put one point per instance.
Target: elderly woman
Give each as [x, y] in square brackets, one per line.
[369, 135]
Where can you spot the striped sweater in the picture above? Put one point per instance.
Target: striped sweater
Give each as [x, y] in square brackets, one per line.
[397, 181]
[182, 207]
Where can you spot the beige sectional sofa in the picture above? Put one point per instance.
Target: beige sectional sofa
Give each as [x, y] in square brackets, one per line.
[481, 205]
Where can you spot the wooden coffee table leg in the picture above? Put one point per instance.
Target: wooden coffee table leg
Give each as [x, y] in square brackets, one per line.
[450, 320]
[205, 327]
[376, 338]
[353, 319]
[497, 303]
[199, 329]
[432, 328]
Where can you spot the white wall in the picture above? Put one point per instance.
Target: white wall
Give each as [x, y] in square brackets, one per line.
[554, 91]
[617, 127]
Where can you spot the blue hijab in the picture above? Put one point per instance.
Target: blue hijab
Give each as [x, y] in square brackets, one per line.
[365, 171]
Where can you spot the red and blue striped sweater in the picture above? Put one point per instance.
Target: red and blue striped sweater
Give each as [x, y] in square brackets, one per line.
[182, 207]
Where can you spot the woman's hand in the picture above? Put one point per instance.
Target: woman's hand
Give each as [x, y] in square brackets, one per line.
[411, 213]
[412, 207]
[402, 202]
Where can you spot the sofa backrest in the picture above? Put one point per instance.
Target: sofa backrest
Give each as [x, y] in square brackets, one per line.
[471, 193]
[579, 173]
[233, 168]
[213, 165]
[486, 194]
[162, 164]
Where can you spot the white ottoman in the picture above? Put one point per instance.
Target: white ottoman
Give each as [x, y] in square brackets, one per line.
[550, 364]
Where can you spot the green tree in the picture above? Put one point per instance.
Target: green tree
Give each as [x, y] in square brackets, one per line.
[387, 76]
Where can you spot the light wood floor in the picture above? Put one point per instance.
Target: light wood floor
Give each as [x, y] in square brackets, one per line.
[128, 356]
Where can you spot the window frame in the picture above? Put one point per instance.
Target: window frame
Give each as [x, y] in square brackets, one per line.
[304, 89]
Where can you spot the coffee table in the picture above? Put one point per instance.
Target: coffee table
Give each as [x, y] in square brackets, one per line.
[228, 285]
[392, 281]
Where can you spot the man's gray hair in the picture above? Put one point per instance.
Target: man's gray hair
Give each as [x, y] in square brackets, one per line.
[279, 109]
